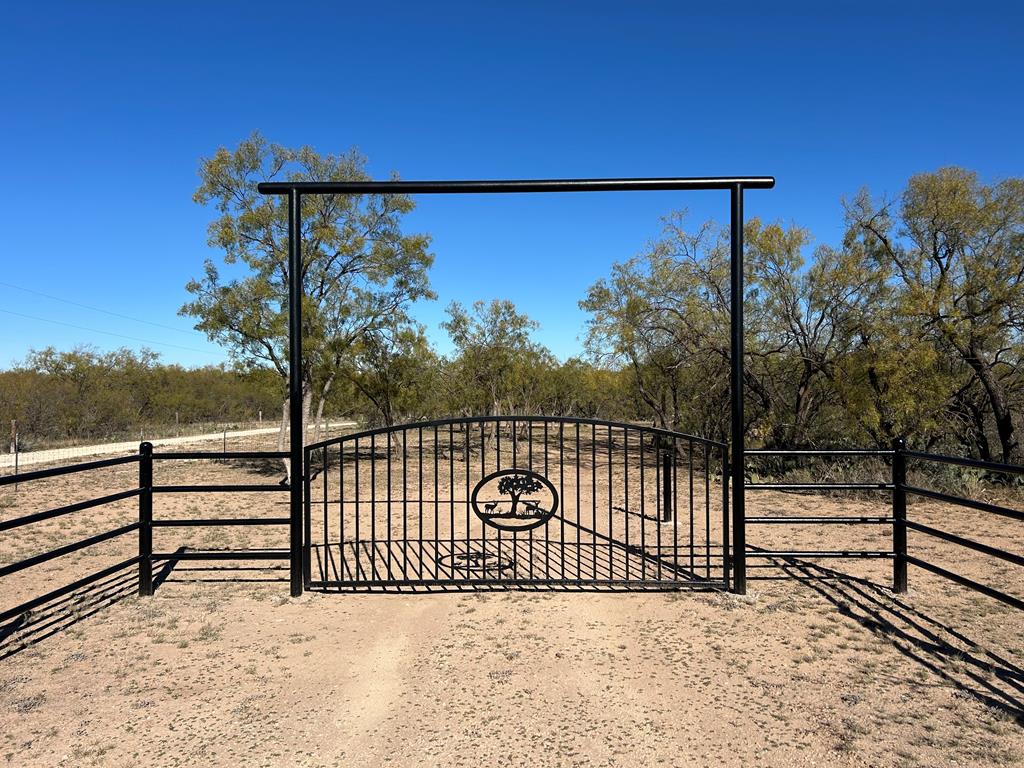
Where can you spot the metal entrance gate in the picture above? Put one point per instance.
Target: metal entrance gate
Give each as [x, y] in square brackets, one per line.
[516, 501]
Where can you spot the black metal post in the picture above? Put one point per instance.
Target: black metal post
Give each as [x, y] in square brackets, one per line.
[899, 516]
[146, 519]
[295, 387]
[667, 462]
[739, 531]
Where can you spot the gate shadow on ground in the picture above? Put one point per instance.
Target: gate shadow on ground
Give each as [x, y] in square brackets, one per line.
[961, 661]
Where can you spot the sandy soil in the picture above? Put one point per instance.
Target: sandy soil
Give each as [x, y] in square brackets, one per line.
[220, 667]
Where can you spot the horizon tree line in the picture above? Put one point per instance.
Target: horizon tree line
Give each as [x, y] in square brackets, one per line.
[913, 325]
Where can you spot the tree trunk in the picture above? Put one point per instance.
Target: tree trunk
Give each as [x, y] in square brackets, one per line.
[997, 399]
[282, 438]
[320, 407]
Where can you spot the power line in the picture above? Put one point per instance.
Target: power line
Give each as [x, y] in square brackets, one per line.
[97, 309]
[109, 333]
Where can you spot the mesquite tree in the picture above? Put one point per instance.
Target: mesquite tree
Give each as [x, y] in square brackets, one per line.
[360, 270]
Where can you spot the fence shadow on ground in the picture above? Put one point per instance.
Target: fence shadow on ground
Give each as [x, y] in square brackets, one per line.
[35, 625]
[180, 570]
[961, 661]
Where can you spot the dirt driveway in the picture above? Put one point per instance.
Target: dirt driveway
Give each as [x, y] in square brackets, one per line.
[819, 673]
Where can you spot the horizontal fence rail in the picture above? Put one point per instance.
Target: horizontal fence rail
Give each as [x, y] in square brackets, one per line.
[144, 492]
[963, 542]
[888, 486]
[146, 553]
[900, 489]
[71, 547]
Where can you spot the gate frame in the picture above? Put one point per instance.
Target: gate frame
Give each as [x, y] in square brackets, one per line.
[667, 513]
[296, 189]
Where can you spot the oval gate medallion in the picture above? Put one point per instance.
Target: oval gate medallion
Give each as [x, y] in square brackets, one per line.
[514, 499]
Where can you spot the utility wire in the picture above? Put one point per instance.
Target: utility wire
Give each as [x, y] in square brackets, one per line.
[109, 333]
[97, 309]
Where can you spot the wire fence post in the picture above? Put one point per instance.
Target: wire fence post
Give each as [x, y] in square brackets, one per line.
[899, 516]
[146, 519]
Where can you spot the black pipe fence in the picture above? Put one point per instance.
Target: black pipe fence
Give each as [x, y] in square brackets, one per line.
[146, 552]
[144, 525]
[663, 460]
[960, 541]
[885, 486]
[899, 488]
[18, 523]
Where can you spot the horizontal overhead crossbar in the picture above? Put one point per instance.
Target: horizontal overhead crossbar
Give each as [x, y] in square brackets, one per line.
[511, 186]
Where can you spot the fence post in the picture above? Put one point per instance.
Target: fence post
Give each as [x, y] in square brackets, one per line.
[899, 516]
[667, 462]
[146, 519]
[739, 519]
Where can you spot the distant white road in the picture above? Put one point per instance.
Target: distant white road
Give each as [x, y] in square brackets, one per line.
[73, 452]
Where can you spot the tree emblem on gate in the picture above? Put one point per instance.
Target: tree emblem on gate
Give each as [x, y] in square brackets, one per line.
[514, 499]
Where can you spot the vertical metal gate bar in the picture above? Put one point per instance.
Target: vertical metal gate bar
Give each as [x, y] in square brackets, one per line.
[405, 504]
[389, 490]
[468, 457]
[579, 520]
[611, 527]
[483, 473]
[707, 508]
[515, 534]
[307, 523]
[674, 481]
[437, 507]
[498, 465]
[529, 463]
[593, 490]
[561, 489]
[419, 497]
[643, 513]
[341, 505]
[547, 535]
[625, 505]
[373, 506]
[689, 461]
[660, 498]
[358, 497]
[451, 497]
[327, 536]
[667, 513]
[726, 556]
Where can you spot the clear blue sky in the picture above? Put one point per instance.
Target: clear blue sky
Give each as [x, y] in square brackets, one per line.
[108, 107]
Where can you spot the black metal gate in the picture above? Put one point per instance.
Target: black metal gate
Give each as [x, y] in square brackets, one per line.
[516, 501]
